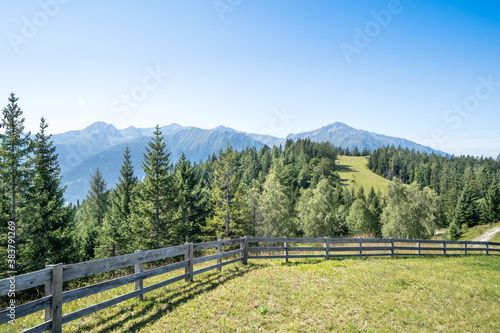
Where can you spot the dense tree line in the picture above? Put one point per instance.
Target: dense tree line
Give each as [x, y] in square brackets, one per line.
[467, 187]
[289, 190]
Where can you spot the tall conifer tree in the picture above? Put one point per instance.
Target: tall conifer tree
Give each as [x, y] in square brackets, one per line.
[156, 194]
[116, 237]
[46, 219]
[15, 147]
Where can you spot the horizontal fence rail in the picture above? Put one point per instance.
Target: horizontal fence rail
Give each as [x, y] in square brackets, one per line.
[362, 247]
[53, 276]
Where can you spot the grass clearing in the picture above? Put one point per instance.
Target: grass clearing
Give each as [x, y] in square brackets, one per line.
[354, 173]
[478, 230]
[427, 294]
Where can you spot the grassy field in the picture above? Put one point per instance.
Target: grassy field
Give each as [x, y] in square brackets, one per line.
[428, 294]
[354, 173]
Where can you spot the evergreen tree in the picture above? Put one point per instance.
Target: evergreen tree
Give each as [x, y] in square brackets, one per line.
[116, 236]
[454, 231]
[46, 220]
[224, 187]
[15, 146]
[492, 204]
[90, 216]
[466, 211]
[156, 195]
[190, 203]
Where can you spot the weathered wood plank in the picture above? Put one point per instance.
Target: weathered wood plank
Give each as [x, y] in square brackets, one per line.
[326, 246]
[456, 242]
[216, 266]
[139, 268]
[363, 255]
[290, 256]
[71, 295]
[357, 248]
[476, 243]
[205, 245]
[88, 268]
[285, 245]
[289, 248]
[231, 241]
[56, 303]
[244, 250]
[357, 240]
[97, 307]
[448, 249]
[288, 239]
[217, 256]
[26, 281]
[39, 328]
[219, 251]
[25, 309]
[440, 249]
[189, 257]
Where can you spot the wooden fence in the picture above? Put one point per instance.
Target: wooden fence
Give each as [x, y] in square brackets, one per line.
[53, 276]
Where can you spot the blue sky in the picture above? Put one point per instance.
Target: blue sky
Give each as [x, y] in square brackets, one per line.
[427, 71]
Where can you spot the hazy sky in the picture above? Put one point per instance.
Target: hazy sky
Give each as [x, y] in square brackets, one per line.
[428, 71]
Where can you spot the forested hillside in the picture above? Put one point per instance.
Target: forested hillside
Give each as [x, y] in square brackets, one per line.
[467, 186]
[290, 190]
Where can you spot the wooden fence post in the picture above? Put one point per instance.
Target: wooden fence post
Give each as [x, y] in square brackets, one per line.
[244, 248]
[189, 257]
[487, 248]
[444, 247]
[418, 250]
[138, 268]
[48, 292]
[219, 251]
[326, 246]
[360, 252]
[392, 247]
[285, 245]
[465, 248]
[56, 302]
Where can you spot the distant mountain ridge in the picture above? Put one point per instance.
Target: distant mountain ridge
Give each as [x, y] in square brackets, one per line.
[102, 145]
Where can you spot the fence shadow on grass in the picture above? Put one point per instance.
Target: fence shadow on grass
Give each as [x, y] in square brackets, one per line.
[171, 297]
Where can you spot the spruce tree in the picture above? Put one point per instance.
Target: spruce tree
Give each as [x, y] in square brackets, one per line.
[116, 237]
[45, 217]
[190, 202]
[492, 203]
[15, 146]
[224, 187]
[90, 216]
[156, 196]
[466, 211]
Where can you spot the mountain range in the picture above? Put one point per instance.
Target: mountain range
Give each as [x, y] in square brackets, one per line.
[102, 145]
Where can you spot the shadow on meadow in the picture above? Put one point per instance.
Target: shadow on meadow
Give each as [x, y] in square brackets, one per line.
[152, 308]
